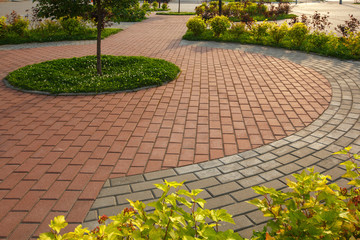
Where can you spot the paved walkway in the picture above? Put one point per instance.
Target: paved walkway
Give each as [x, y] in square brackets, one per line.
[271, 105]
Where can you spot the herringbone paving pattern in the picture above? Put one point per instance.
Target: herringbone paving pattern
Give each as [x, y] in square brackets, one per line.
[58, 151]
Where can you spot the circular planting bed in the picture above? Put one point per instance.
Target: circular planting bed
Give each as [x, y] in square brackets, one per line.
[78, 75]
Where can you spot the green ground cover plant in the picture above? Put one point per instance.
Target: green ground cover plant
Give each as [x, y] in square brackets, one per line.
[302, 34]
[312, 207]
[78, 75]
[15, 29]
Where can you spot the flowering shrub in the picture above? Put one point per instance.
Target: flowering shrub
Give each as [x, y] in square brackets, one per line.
[17, 24]
[297, 34]
[73, 25]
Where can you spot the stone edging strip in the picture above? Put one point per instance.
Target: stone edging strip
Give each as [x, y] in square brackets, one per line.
[227, 181]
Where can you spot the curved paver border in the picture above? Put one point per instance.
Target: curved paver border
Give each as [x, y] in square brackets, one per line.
[227, 181]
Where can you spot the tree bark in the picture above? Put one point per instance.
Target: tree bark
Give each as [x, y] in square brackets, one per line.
[98, 41]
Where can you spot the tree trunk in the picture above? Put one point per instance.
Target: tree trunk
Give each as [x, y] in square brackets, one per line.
[98, 41]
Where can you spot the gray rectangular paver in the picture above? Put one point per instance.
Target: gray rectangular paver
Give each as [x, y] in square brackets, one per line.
[204, 183]
[126, 180]
[283, 150]
[251, 171]
[248, 154]
[144, 185]
[141, 196]
[112, 191]
[208, 173]
[240, 208]
[219, 202]
[269, 165]
[251, 181]
[279, 143]
[289, 168]
[224, 188]
[104, 202]
[267, 157]
[245, 194]
[264, 149]
[230, 167]
[303, 152]
[228, 177]
[188, 169]
[250, 162]
[270, 175]
[307, 161]
[230, 159]
[211, 164]
[190, 177]
[160, 174]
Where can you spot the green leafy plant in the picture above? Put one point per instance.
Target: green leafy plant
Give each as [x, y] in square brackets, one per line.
[146, 6]
[352, 42]
[17, 24]
[237, 29]
[177, 215]
[219, 25]
[260, 30]
[155, 5]
[73, 25]
[196, 25]
[3, 26]
[277, 33]
[314, 208]
[164, 7]
[297, 34]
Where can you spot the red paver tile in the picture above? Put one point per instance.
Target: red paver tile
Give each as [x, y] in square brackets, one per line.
[79, 211]
[23, 231]
[28, 201]
[39, 211]
[66, 201]
[91, 191]
[10, 222]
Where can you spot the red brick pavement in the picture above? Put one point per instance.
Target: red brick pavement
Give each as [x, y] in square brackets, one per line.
[56, 152]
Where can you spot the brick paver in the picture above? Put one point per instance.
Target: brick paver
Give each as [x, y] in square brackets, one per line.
[57, 151]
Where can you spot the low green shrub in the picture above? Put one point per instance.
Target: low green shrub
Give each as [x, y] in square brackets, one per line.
[260, 30]
[297, 34]
[155, 5]
[135, 13]
[196, 25]
[79, 75]
[17, 24]
[237, 29]
[277, 33]
[164, 7]
[219, 25]
[352, 42]
[168, 220]
[73, 26]
[3, 26]
[146, 6]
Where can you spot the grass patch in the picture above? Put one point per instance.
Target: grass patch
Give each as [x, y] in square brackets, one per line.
[326, 45]
[78, 75]
[175, 13]
[43, 36]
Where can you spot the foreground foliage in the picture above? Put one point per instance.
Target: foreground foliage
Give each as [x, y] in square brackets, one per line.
[311, 208]
[78, 75]
[177, 215]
